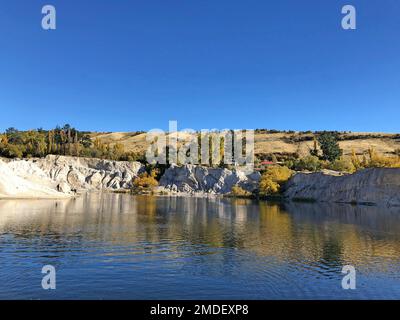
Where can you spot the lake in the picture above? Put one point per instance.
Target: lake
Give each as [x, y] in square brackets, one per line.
[119, 246]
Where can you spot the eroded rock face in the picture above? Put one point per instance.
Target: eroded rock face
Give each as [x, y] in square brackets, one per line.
[31, 182]
[73, 174]
[64, 187]
[89, 173]
[193, 179]
[379, 186]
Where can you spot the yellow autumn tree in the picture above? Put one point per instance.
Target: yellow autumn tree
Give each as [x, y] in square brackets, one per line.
[239, 192]
[145, 182]
[357, 163]
[272, 180]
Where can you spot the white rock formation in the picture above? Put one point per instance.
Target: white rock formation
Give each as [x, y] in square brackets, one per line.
[60, 175]
[24, 186]
[192, 179]
[379, 186]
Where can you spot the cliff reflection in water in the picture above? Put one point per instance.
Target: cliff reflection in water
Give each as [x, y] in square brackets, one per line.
[307, 234]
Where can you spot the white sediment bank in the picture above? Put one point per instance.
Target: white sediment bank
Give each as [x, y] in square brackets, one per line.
[13, 185]
[192, 180]
[375, 186]
[61, 177]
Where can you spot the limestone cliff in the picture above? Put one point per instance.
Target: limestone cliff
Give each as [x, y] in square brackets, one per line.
[379, 186]
[55, 176]
[191, 179]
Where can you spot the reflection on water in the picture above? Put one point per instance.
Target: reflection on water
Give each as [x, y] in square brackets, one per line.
[126, 247]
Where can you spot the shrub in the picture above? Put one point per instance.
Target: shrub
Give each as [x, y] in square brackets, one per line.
[268, 186]
[273, 178]
[239, 192]
[357, 164]
[309, 163]
[144, 182]
[375, 160]
[380, 161]
[12, 151]
[343, 165]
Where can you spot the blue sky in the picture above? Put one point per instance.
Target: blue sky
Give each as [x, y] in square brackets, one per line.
[134, 65]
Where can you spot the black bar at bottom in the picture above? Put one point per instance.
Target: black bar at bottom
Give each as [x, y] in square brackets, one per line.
[202, 309]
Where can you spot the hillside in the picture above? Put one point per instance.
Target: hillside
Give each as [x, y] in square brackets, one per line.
[278, 143]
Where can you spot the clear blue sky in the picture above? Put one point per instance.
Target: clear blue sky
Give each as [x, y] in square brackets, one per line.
[133, 65]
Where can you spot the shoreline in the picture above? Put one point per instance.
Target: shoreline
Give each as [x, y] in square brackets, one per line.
[63, 177]
[268, 199]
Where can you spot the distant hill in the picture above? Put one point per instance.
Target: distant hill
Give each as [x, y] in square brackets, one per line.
[282, 144]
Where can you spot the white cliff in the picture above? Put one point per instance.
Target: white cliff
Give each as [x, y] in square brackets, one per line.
[56, 176]
[59, 177]
[36, 185]
[378, 186]
[192, 179]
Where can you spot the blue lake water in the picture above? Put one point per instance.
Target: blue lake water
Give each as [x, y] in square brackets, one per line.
[118, 246]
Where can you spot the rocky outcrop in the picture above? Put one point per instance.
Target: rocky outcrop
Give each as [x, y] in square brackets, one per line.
[27, 185]
[66, 175]
[89, 173]
[191, 179]
[59, 176]
[378, 186]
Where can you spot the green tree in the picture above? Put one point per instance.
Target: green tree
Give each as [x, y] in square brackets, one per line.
[11, 130]
[329, 144]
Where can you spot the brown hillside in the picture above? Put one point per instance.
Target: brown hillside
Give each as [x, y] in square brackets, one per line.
[281, 143]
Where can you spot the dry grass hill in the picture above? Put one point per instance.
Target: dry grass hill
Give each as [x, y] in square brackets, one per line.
[279, 143]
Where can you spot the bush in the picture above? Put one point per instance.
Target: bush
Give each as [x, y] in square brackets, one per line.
[272, 180]
[268, 186]
[239, 192]
[343, 165]
[309, 163]
[380, 161]
[145, 182]
[357, 163]
[11, 151]
[375, 160]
